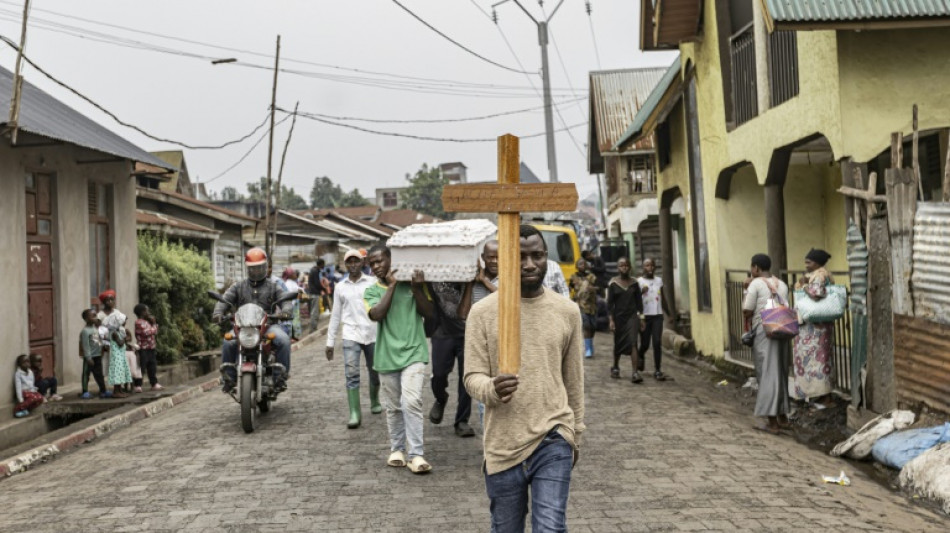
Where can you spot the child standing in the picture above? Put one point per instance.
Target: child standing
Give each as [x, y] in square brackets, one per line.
[114, 320]
[90, 349]
[146, 329]
[27, 396]
[47, 384]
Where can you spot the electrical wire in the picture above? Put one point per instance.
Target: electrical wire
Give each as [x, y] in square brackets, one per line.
[248, 152]
[425, 121]
[418, 137]
[120, 121]
[456, 43]
[215, 46]
[593, 35]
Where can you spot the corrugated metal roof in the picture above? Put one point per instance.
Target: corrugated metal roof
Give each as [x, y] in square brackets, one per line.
[150, 218]
[41, 114]
[854, 10]
[649, 105]
[616, 96]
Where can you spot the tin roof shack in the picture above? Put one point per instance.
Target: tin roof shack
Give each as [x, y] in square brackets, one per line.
[215, 231]
[302, 239]
[630, 170]
[68, 204]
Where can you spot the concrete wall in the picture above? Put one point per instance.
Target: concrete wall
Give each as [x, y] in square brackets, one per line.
[71, 251]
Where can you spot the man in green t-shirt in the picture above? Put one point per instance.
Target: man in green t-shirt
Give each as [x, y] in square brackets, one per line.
[401, 355]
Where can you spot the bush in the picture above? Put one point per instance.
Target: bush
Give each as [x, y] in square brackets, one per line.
[173, 281]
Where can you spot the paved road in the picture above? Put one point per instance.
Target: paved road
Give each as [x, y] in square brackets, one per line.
[661, 456]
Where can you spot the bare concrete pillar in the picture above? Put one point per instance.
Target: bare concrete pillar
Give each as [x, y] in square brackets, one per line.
[775, 226]
[761, 35]
[666, 259]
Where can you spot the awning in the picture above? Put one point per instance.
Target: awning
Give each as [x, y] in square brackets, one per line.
[649, 114]
[854, 14]
[169, 225]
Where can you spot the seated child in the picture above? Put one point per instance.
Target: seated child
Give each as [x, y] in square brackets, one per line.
[47, 384]
[27, 395]
[90, 349]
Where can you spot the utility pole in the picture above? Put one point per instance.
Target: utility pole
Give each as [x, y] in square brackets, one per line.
[270, 156]
[546, 80]
[18, 78]
[280, 174]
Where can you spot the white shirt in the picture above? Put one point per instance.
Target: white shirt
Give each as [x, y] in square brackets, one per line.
[292, 285]
[348, 306]
[554, 280]
[651, 299]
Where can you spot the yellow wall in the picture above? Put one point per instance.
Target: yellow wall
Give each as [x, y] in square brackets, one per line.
[855, 88]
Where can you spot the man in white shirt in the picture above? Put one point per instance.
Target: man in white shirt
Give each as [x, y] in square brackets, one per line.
[359, 335]
[554, 280]
[653, 308]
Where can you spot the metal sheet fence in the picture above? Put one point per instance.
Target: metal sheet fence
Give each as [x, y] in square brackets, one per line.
[931, 273]
[841, 343]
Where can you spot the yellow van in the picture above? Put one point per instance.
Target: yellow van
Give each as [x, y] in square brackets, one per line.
[563, 247]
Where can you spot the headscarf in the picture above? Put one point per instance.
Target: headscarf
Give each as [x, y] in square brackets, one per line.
[818, 256]
[109, 293]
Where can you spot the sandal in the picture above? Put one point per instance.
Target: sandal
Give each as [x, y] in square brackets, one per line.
[397, 459]
[659, 376]
[418, 465]
[636, 378]
[614, 372]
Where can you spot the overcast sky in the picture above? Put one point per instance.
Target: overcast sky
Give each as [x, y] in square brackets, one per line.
[173, 94]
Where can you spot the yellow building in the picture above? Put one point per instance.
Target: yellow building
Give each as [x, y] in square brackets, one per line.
[771, 106]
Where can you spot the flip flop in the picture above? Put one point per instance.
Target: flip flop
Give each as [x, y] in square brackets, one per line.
[418, 465]
[397, 459]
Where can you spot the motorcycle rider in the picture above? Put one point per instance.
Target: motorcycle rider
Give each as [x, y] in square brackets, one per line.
[256, 288]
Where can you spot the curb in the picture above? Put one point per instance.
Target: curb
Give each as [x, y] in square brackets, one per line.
[46, 452]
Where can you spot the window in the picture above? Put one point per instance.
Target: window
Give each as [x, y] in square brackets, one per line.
[390, 199]
[697, 199]
[99, 249]
[559, 246]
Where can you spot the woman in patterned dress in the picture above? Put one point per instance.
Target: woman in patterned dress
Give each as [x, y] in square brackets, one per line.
[113, 319]
[813, 365]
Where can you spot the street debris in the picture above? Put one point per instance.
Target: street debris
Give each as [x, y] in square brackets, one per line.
[722, 383]
[842, 479]
[929, 475]
[858, 446]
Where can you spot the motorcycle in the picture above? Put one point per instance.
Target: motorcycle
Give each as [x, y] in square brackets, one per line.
[255, 365]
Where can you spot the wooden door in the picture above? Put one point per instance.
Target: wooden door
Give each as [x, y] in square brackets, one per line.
[39, 268]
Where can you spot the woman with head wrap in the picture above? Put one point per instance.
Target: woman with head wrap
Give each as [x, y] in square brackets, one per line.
[812, 361]
[119, 373]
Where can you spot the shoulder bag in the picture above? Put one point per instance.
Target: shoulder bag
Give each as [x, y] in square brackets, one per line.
[829, 308]
[779, 321]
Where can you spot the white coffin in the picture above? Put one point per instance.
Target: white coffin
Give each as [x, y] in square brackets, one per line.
[444, 251]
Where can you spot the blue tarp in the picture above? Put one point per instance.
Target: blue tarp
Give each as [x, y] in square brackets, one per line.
[897, 449]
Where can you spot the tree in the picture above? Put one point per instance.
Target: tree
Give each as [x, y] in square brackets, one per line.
[324, 193]
[425, 192]
[353, 199]
[230, 194]
[290, 200]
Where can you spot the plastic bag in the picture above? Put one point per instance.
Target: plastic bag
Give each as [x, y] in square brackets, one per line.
[858, 446]
[929, 475]
[897, 449]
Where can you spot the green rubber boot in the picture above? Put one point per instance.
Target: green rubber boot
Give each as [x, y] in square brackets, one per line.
[353, 398]
[375, 407]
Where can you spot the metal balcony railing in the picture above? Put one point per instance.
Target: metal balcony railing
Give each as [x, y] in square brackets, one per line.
[744, 92]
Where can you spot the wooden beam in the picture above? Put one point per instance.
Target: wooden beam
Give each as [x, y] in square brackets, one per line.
[509, 262]
[512, 197]
[863, 194]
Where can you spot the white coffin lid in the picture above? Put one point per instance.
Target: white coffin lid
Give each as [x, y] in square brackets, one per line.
[452, 233]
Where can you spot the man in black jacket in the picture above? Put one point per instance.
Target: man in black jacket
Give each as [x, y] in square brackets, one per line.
[256, 288]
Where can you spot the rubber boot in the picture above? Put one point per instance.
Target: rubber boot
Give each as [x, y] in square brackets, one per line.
[588, 348]
[353, 398]
[375, 407]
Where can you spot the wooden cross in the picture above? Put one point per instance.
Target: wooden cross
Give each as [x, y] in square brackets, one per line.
[509, 199]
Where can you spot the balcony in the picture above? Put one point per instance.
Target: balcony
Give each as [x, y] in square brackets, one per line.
[745, 103]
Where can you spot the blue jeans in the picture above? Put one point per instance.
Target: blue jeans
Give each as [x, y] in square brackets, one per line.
[548, 473]
[281, 342]
[351, 363]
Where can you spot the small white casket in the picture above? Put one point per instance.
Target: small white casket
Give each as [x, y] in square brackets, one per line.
[444, 251]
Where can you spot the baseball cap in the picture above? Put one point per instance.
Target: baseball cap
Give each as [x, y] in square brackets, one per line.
[353, 253]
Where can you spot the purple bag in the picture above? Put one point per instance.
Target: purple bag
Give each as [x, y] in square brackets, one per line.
[779, 321]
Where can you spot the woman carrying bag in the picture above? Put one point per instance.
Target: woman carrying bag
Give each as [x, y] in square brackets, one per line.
[770, 349]
[812, 348]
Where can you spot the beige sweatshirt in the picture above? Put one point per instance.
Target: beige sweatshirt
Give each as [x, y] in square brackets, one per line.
[551, 380]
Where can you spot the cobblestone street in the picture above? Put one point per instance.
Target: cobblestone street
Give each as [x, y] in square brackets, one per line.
[660, 456]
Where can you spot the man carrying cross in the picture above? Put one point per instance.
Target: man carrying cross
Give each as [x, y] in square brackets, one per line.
[533, 420]
[533, 389]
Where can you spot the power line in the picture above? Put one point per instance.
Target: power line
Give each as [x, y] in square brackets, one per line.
[593, 36]
[249, 151]
[116, 118]
[456, 43]
[427, 121]
[417, 137]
